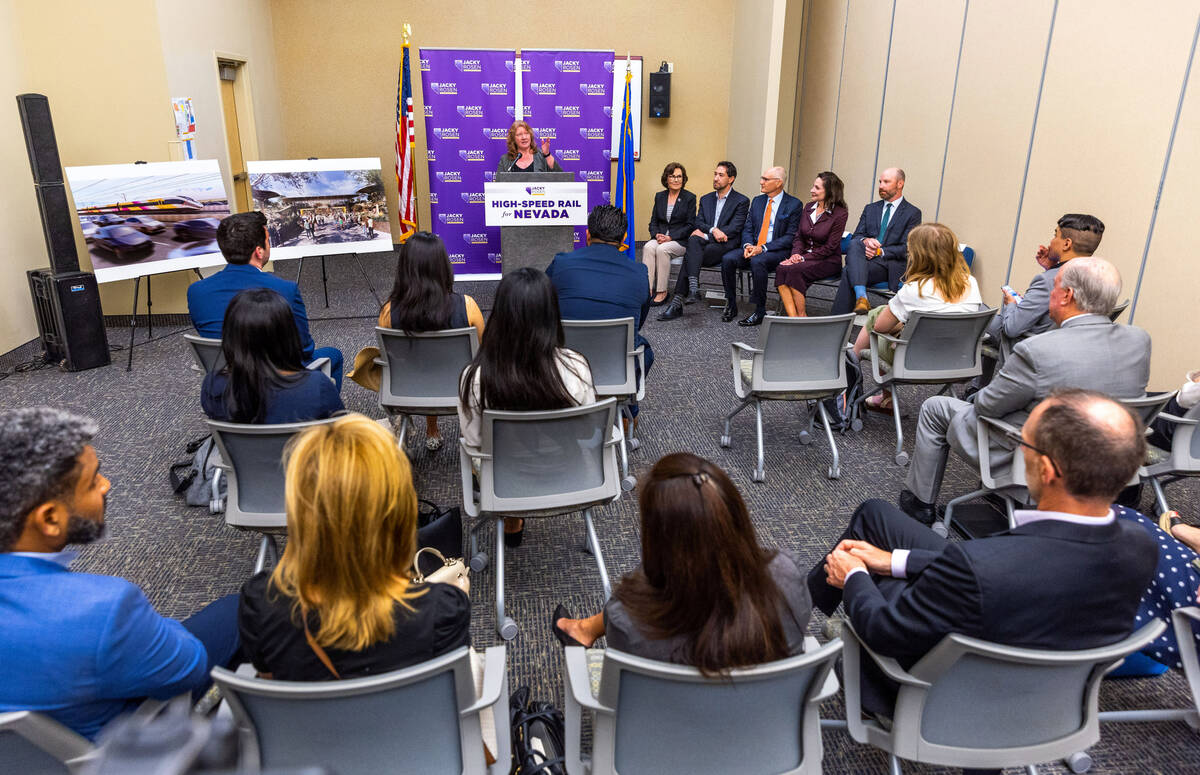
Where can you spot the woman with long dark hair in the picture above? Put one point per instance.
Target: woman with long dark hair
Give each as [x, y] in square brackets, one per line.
[264, 379]
[816, 251]
[423, 299]
[522, 364]
[707, 594]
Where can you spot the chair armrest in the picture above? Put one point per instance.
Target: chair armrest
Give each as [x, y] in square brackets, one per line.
[1184, 619]
[640, 354]
[379, 362]
[745, 348]
[1175, 420]
[831, 686]
[735, 359]
[322, 365]
[1000, 424]
[468, 491]
[472, 452]
[578, 684]
[493, 681]
[888, 337]
[876, 372]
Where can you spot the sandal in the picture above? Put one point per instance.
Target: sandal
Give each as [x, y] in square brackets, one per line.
[880, 402]
[1168, 520]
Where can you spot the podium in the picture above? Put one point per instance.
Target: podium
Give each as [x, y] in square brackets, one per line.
[533, 245]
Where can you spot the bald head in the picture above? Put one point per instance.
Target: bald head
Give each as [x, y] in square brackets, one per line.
[773, 180]
[1096, 443]
[891, 184]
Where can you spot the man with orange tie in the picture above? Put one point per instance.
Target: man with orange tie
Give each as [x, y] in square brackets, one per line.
[766, 240]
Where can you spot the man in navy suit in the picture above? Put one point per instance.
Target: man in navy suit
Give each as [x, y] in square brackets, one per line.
[598, 282]
[766, 240]
[722, 214]
[1069, 575]
[246, 246]
[79, 647]
[878, 251]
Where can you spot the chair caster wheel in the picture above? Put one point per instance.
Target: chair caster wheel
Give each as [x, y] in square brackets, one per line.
[725, 441]
[835, 473]
[805, 437]
[628, 483]
[634, 444]
[901, 458]
[759, 476]
[479, 561]
[1079, 762]
[508, 630]
[216, 505]
[940, 529]
[856, 425]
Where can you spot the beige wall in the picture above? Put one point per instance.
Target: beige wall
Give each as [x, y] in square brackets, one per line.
[1112, 82]
[338, 73]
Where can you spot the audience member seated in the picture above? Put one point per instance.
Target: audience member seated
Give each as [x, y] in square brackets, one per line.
[722, 214]
[707, 594]
[522, 364]
[1189, 395]
[938, 280]
[79, 647]
[1068, 576]
[242, 238]
[817, 249]
[423, 299]
[1087, 349]
[1075, 235]
[350, 505]
[599, 282]
[671, 221]
[767, 237]
[878, 250]
[264, 380]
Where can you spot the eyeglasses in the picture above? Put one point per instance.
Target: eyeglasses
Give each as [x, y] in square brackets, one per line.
[1017, 438]
[675, 177]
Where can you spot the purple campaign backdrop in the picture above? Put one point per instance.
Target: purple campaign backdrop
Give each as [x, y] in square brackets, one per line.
[469, 96]
[568, 99]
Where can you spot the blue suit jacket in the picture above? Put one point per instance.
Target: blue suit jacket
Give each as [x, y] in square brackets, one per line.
[787, 220]
[208, 298]
[733, 214]
[83, 648]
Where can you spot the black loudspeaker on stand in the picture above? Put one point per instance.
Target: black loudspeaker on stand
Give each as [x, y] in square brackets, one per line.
[66, 300]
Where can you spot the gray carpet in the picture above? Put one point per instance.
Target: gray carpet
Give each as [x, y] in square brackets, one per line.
[184, 558]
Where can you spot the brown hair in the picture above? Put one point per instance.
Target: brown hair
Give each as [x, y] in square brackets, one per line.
[671, 168]
[933, 255]
[703, 575]
[511, 140]
[1097, 454]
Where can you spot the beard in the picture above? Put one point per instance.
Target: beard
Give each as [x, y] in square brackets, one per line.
[83, 531]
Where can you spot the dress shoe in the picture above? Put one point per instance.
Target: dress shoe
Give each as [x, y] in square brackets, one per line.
[910, 504]
[731, 312]
[561, 612]
[753, 319]
[671, 312]
[692, 297]
[659, 302]
[862, 306]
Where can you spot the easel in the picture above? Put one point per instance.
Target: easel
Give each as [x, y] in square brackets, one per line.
[137, 284]
[325, 278]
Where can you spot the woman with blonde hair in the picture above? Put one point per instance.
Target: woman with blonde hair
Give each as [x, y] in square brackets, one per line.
[523, 154]
[938, 280]
[340, 603]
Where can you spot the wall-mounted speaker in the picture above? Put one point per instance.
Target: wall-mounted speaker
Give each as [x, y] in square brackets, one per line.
[660, 95]
[39, 138]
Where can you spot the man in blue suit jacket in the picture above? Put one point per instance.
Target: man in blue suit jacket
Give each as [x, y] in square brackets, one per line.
[598, 282]
[247, 248]
[878, 251]
[78, 647]
[764, 244]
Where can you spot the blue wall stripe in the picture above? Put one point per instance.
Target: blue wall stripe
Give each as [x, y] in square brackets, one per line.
[887, 65]
[841, 72]
[950, 119]
[1032, 131]
[1163, 177]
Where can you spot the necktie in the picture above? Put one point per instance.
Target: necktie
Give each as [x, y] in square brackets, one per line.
[766, 226]
[883, 224]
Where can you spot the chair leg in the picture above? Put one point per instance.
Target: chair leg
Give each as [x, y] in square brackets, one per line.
[478, 557]
[759, 472]
[1160, 497]
[901, 455]
[594, 543]
[628, 482]
[505, 626]
[835, 471]
[943, 528]
[268, 553]
[403, 435]
[894, 765]
[628, 412]
[725, 439]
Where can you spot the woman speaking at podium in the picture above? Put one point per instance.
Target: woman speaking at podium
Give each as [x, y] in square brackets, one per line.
[522, 155]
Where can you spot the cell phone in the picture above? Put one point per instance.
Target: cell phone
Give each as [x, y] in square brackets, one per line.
[1012, 292]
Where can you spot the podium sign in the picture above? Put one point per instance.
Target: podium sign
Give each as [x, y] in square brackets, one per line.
[535, 204]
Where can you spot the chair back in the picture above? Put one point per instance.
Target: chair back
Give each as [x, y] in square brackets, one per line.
[989, 705]
[608, 347]
[1185, 445]
[1148, 407]
[550, 459]
[253, 456]
[33, 744]
[968, 253]
[941, 346]
[207, 352]
[670, 718]
[1118, 311]
[422, 370]
[802, 354]
[404, 721]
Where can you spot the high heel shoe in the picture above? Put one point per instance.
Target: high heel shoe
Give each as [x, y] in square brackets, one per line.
[513, 540]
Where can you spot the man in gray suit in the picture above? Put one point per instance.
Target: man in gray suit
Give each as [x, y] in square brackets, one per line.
[1087, 350]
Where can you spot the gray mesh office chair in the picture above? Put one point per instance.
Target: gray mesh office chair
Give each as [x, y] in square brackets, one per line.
[801, 359]
[422, 719]
[539, 464]
[1183, 459]
[933, 348]
[34, 744]
[1118, 311]
[655, 717]
[971, 703]
[421, 372]
[209, 356]
[252, 458]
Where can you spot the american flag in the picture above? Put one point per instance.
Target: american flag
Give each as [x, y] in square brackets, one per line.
[406, 151]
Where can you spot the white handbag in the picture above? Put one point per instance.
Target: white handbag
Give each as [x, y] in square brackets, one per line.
[453, 571]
